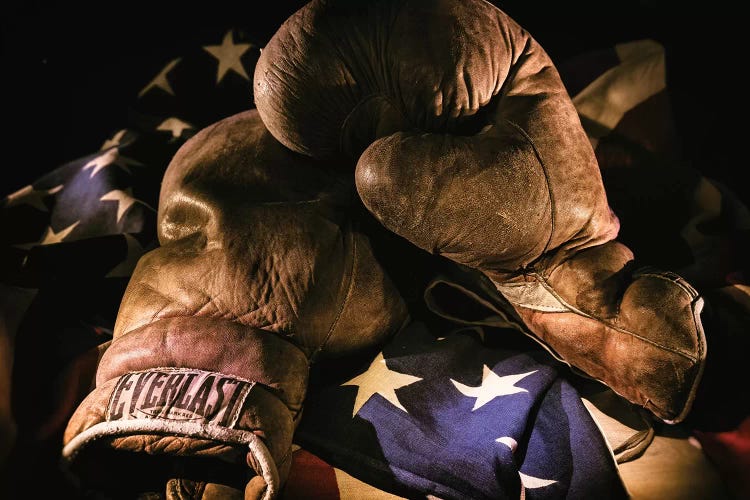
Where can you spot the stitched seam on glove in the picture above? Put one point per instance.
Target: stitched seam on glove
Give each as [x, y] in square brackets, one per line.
[552, 205]
[543, 282]
[345, 300]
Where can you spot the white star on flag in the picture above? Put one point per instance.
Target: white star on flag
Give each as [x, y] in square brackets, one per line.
[124, 200]
[50, 237]
[110, 157]
[378, 379]
[491, 387]
[229, 55]
[509, 442]
[174, 125]
[125, 268]
[30, 196]
[532, 482]
[527, 481]
[116, 140]
[161, 81]
[477, 329]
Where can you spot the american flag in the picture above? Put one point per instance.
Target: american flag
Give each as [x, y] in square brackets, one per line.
[440, 413]
[449, 417]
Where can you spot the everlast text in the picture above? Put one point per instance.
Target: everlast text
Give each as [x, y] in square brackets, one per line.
[178, 394]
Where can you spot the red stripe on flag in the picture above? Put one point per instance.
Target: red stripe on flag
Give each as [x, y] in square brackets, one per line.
[310, 478]
[730, 451]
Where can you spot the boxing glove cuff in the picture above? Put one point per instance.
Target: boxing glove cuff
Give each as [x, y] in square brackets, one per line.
[234, 420]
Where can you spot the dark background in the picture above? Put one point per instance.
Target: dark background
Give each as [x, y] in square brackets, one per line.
[69, 72]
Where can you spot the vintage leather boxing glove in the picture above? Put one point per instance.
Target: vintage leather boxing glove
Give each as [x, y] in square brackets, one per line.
[467, 144]
[261, 271]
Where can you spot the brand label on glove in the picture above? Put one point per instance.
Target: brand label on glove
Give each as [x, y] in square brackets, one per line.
[179, 394]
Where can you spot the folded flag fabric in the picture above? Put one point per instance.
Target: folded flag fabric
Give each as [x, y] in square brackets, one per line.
[448, 417]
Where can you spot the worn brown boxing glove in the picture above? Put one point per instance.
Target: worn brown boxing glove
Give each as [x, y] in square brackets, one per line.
[261, 271]
[466, 143]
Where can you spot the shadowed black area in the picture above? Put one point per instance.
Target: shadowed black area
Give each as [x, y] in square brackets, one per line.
[72, 70]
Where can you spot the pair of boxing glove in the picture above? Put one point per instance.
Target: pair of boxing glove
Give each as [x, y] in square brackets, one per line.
[464, 141]
[450, 124]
